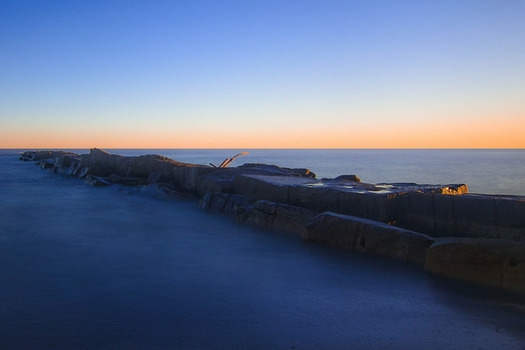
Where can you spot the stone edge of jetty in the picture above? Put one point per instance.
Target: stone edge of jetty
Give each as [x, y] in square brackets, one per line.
[475, 238]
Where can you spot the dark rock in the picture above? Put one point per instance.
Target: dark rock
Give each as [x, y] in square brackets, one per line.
[510, 217]
[83, 171]
[444, 217]
[96, 181]
[262, 214]
[265, 169]
[67, 165]
[214, 201]
[218, 180]
[313, 197]
[496, 263]
[420, 214]
[237, 205]
[39, 155]
[164, 191]
[351, 203]
[279, 216]
[474, 215]
[335, 230]
[144, 166]
[265, 187]
[351, 178]
[127, 180]
[46, 163]
[231, 204]
[192, 177]
[354, 233]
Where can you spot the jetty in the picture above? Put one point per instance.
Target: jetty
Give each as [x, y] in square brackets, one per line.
[475, 238]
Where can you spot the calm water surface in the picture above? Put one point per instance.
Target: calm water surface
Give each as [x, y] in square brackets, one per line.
[491, 171]
[111, 268]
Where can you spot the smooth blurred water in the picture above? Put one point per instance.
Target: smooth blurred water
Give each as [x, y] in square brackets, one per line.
[111, 268]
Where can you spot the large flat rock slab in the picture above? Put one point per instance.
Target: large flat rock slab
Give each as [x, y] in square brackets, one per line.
[408, 205]
[496, 263]
[354, 233]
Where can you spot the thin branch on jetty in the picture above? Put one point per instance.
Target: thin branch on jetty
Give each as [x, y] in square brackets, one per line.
[227, 161]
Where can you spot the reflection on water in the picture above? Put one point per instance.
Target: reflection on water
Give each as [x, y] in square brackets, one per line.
[108, 268]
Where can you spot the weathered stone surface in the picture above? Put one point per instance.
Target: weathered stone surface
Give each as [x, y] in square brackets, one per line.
[163, 191]
[192, 178]
[494, 263]
[474, 216]
[444, 217]
[262, 213]
[218, 180]
[391, 241]
[46, 163]
[419, 216]
[128, 180]
[213, 201]
[400, 187]
[274, 170]
[335, 230]
[231, 204]
[263, 187]
[381, 206]
[237, 205]
[66, 165]
[510, 217]
[351, 178]
[352, 203]
[39, 155]
[144, 166]
[101, 163]
[513, 268]
[96, 181]
[224, 180]
[313, 197]
[280, 216]
[369, 236]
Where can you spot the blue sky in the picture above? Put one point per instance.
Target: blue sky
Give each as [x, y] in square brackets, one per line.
[262, 74]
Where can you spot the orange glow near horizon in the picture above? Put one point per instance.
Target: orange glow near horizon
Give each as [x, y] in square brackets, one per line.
[460, 134]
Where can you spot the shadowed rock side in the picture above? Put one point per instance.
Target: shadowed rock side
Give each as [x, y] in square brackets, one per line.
[475, 238]
[278, 216]
[497, 263]
[354, 233]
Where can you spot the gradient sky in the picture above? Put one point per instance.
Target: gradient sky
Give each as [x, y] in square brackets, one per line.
[262, 74]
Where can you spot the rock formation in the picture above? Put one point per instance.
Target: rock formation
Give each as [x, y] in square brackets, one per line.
[474, 238]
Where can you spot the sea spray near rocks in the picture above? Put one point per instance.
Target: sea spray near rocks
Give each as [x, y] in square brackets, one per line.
[289, 199]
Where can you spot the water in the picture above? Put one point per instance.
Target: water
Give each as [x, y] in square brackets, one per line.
[110, 268]
[490, 171]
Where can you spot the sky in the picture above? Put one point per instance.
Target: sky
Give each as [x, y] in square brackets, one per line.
[262, 74]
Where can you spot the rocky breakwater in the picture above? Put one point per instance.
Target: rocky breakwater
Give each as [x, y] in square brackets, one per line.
[475, 238]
